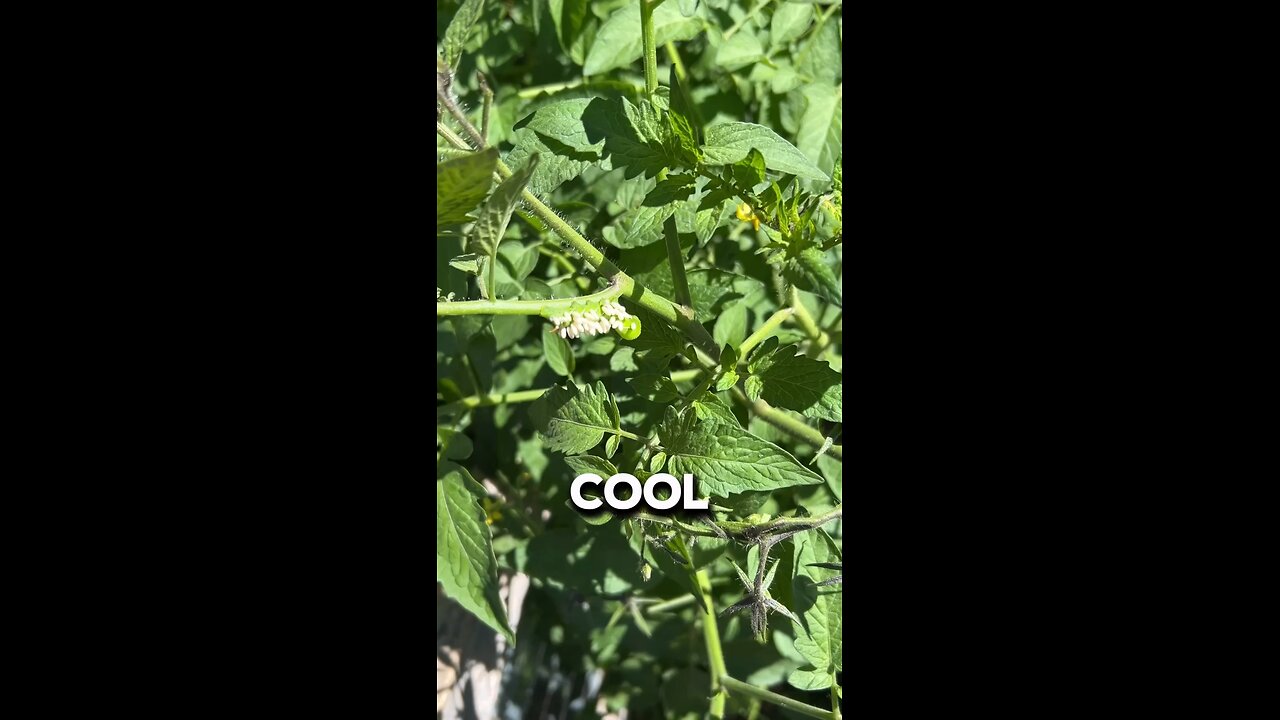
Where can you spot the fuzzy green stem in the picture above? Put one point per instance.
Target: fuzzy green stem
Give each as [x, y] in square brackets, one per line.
[835, 698]
[776, 699]
[765, 331]
[674, 56]
[685, 375]
[715, 654]
[545, 308]
[476, 401]
[452, 137]
[676, 259]
[488, 103]
[820, 339]
[650, 42]
[787, 424]
[669, 605]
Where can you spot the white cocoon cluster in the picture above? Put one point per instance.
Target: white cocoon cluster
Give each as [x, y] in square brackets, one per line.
[577, 323]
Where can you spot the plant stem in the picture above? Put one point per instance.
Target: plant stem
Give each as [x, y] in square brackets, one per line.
[545, 308]
[674, 55]
[453, 152]
[765, 331]
[787, 424]
[674, 256]
[820, 339]
[715, 654]
[835, 698]
[649, 40]
[776, 699]
[476, 401]
[685, 375]
[488, 103]
[452, 137]
[669, 605]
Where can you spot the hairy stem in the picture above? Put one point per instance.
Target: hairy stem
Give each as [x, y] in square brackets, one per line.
[775, 699]
[675, 257]
[476, 401]
[452, 137]
[765, 331]
[787, 424]
[715, 654]
[835, 698]
[649, 40]
[819, 338]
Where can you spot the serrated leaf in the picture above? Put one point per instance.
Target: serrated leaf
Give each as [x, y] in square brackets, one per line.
[674, 189]
[728, 143]
[568, 16]
[819, 136]
[658, 341]
[809, 678]
[465, 564]
[655, 462]
[711, 407]
[571, 419]
[655, 387]
[726, 381]
[581, 464]
[468, 263]
[562, 121]
[727, 459]
[753, 386]
[632, 138]
[638, 227]
[558, 353]
[559, 162]
[819, 607]
[684, 116]
[812, 270]
[749, 171]
[455, 36]
[461, 183]
[491, 224]
[800, 383]
[618, 42]
[741, 50]
[788, 23]
[611, 445]
[819, 56]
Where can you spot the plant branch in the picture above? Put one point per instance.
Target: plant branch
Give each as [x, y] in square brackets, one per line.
[820, 339]
[787, 424]
[649, 40]
[476, 401]
[545, 308]
[765, 331]
[715, 654]
[675, 257]
[452, 137]
[775, 699]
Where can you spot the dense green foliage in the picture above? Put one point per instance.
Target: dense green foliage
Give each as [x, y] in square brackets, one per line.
[639, 266]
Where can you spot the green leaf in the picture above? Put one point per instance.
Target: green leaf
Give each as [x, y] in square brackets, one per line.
[711, 407]
[809, 678]
[611, 445]
[633, 138]
[655, 387]
[618, 42]
[726, 381]
[568, 16]
[808, 386]
[465, 565]
[581, 464]
[558, 353]
[749, 171]
[819, 136]
[558, 164]
[675, 188]
[819, 607]
[461, 183]
[819, 56]
[813, 270]
[658, 341]
[491, 225]
[655, 462]
[688, 7]
[638, 227]
[728, 143]
[686, 123]
[741, 50]
[789, 22]
[731, 326]
[467, 263]
[455, 37]
[726, 459]
[711, 290]
[562, 121]
[571, 419]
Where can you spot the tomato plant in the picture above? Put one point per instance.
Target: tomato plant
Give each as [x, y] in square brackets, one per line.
[639, 268]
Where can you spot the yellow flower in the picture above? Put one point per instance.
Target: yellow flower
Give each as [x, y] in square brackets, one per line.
[491, 512]
[745, 214]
